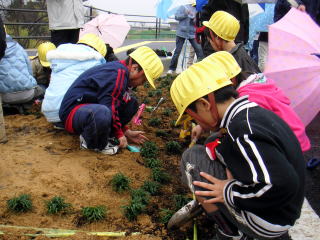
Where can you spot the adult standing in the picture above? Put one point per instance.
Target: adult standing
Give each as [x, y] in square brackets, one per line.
[239, 11]
[186, 31]
[65, 20]
[3, 46]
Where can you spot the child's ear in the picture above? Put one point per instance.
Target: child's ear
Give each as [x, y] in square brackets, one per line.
[204, 103]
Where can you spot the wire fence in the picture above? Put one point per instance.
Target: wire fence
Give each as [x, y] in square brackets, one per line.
[31, 26]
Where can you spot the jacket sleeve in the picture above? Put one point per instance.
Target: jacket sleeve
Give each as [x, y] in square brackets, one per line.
[266, 174]
[181, 13]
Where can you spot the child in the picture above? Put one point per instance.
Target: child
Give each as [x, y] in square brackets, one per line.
[40, 65]
[98, 105]
[254, 173]
[260, 90]
[223, 29]
[68, 61]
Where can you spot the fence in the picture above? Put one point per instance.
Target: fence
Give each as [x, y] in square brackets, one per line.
[29, 33]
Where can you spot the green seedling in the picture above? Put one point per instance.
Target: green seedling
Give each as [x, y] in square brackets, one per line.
[56, 205]
[146, 100]
[160, 175]
[149, 109]
[132, 210]
[151, 187]
[164, 83]
[146, 85]
[158, 92]
[173, 147]
[152, 162]
[140, 195]
[173, 123]
[151, 93]
[20, 204]
[94, 214]
[165, 215]
[162, 133]
[167, 112]
[180, 201]
[120, 182]
[154, 122]
[149, 150]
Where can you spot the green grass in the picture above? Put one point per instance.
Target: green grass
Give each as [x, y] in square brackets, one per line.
[152, 162]
[94, 214]
[150, 34]
[120, 182]
[56, 205]
[149, 150]
[151, 187]
[20, 204]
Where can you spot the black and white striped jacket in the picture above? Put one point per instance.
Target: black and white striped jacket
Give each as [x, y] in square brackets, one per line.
[266, 162]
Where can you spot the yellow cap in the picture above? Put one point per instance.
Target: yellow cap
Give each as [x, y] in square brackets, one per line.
[150, 63]
[197, 81]
[43, 49]
[224, 25]
[226, 61]
[94, 41]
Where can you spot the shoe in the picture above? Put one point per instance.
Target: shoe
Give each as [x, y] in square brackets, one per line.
[222, 236]
[109, 149]
[58, 125]
[170, 72]
[185, 214]
[83, 143]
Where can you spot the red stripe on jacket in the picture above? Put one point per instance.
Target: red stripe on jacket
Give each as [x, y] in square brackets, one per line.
[68, 124]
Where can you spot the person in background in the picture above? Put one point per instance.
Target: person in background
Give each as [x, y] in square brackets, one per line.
[68, 61]
[252, 174]
[40, 65]
[283, 7]
[186, 31]
[110, 56]
[17, 84]
[3, 43]
[65, 20]
[236, 9]
[98, 105]
[222, 29]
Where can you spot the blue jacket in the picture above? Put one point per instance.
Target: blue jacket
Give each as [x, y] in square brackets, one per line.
[106, 84]
[15, 69]
[68, 61]
[186, 28]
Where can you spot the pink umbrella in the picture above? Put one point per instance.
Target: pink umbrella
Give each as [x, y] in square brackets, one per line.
[292, 64]
[112, 28]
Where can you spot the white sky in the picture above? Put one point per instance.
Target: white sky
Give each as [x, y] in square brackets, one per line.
[138, 7]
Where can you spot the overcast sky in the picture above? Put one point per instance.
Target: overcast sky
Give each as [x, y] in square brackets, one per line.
[139, 7]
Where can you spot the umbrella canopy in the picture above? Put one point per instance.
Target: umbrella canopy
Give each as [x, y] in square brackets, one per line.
[293, 64]
[255, 1]
[167, 8]
[112, 28]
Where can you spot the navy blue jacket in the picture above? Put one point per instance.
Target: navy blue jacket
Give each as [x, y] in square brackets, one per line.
[106, 84]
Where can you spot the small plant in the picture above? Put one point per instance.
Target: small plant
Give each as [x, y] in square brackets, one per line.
[151, 187]
[154, 122]
[146, 100]
[165, 215]
[151, 93]
[173, 124]
[149, 109]
[146, 84]
[149, 150]
[120, 182]
[132, 210]
[160, 175]
[164, 83]
[167, 112]
[19, 204]
[173, 147]
[152, 162]
[93, 214]
[56, 205]
[158, 92]
[180, 201]
[162, 133]
[140, 195]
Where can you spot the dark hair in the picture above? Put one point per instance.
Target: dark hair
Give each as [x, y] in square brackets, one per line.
[242, 76]
[133, 62]
[130, 51]
[220, 96]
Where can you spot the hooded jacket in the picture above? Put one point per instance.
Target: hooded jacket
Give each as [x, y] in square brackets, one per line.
[15, 69]
[186, 28]
[68, 61]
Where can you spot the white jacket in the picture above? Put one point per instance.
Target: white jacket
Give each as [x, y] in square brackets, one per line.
[65, 14]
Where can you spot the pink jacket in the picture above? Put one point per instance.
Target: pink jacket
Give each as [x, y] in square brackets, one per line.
[269, 96]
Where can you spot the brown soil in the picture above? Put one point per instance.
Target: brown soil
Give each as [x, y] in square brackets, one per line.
[44, 162]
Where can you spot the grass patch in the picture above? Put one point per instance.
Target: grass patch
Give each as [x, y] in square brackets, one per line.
[120, 183]
[57, 205]
[159, 175]
[20, 204]
[151, 187]
[173, 148]
[152, 162]
[149, 150]
[94, 214]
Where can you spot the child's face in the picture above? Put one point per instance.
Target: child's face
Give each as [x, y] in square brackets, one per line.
[136, 77]
[214, 42]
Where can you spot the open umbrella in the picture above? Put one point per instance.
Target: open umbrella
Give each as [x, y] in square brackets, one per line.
[167, 8]
[255, 1]
[112, 28]
[293, 63]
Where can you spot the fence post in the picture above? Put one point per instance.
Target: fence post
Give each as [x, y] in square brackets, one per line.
[91, 13]
[3, 136]
[156, 28]
[159, 27]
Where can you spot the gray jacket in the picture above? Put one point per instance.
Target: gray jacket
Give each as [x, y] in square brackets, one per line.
[185, 15]
[65, 14]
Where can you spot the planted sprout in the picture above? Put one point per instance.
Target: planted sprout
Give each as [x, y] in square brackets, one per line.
[173, 147]
[132, 210]
[165, 215]
[160, 175]
[158, 92]
[19, 204]
[151, 187]
[167, 112]
[149, 109]
[146, 84]
[164, 83]
[162, 133]
[146, 100]
[140, 195]
[173, 123]
[180, 201]
[93, 214]
[151, 93]
[120, 182]
[56, 205]
[152, 162]
[149, 150]
[154, 122]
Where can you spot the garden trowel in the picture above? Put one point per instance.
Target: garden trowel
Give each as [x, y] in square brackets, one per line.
[158, 104]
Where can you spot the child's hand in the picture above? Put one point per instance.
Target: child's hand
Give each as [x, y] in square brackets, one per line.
[215, 189]
[196, 132]
[136, 136]
[123, 143]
